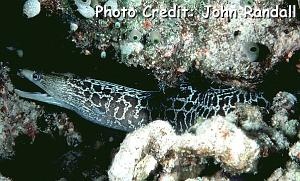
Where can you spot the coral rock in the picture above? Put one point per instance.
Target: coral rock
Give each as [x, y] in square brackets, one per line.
[215, 137]
[31, 8]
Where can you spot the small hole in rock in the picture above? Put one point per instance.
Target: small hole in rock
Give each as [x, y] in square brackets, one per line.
[250, 2]
[130, 56]
[253, 49]
[236, 33]
[155, 41]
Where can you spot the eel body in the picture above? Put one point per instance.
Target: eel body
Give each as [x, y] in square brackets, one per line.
[127, 109]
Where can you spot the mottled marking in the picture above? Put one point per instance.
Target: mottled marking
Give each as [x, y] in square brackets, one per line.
[178, 104]
[241, 98]
[131, 100]
[106, 91]
[103, 100]
[119, 111]
[86, 85]
[127, 109]
[87, 94]
[87, 103]
[188, 106]
[97, 88]
[96, 99]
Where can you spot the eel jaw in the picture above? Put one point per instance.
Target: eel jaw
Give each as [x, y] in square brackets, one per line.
[39, 97]
[26, 73]
[29, 74]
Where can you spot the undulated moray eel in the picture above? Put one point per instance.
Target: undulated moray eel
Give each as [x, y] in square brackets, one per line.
[127, 109]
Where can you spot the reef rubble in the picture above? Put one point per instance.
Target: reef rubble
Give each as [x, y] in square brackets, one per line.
[157, 143]
[218, 48]
[22, 122]
[17, 116]
[236, 142]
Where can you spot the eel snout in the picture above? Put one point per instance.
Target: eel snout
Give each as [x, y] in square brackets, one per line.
[25, 73]
[34, 77]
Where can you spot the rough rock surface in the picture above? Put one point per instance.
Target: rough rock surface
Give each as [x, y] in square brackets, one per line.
[236, 142]
[16, 115]
[216, 47]
[214, 138]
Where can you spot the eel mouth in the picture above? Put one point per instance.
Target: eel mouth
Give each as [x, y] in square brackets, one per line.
[39, 95]
[25, 73]
[27, 82]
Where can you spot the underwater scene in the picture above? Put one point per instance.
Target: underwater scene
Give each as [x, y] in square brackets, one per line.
[156, 90]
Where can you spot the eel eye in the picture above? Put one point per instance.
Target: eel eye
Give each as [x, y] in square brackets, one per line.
[36, 76]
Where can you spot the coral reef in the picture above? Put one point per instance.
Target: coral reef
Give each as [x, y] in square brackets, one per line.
[24, 125]
[84, 8]
[31, 8]
[283, 107]
[17, 116]
[226, 44]
[219, 48]
[232, 52]
[292, 173]
[60, 123]
[4, 178]
[295, 152]
[236, 142]
[217, 177]
[157, 142]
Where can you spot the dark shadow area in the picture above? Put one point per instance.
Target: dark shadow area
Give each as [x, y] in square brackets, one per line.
[266, 167]
[46, 48]
[293, 2]
[283, 77]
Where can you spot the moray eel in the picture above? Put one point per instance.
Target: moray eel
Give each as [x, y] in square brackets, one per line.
[127, 109]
